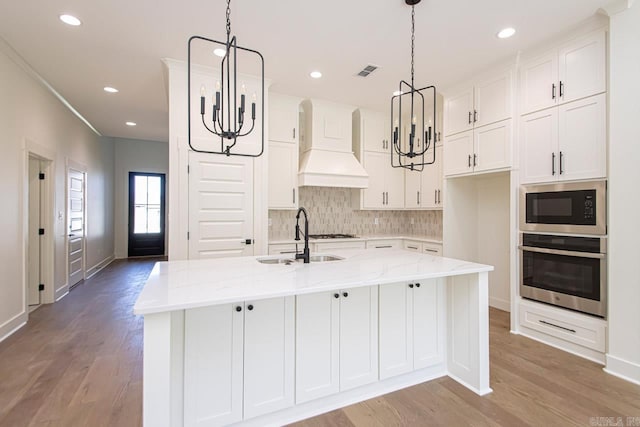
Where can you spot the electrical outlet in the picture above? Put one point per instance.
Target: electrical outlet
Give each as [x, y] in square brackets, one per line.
[376, 221]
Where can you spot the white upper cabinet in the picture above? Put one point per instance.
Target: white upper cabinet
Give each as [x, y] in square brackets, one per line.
[371, 131]
[487, 101]
[283, 118]
[386, 184]
[576, 70]
[582, 68]
[283, 151]
[565, 143]
[459, 112]
[492, 146]
[458, 154]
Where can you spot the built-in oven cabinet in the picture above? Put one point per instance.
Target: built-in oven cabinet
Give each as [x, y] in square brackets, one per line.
[562, 328]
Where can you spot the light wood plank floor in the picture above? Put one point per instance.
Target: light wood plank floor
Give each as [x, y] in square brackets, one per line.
[79, 363]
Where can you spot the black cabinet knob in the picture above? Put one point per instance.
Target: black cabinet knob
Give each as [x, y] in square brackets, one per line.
[238, 308]
[336, 295]
[249, 307]
[417, 285]
[346, 294]
[411, 285]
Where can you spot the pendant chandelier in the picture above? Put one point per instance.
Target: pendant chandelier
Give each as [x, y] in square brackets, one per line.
[227, 119]
[411, 135]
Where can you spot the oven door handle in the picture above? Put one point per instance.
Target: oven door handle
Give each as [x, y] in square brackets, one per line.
[561, 252]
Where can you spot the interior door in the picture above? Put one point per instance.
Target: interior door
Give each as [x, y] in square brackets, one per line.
[34, 252]
[146, 214]
[76, 220]
[220, 206]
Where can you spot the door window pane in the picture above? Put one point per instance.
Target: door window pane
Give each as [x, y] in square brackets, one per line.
[147, 196]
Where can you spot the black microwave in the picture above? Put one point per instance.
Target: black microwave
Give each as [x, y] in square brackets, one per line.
[578, 208]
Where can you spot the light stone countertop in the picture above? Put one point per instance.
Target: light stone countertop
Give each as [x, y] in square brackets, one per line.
[178, 285]
[425, 239]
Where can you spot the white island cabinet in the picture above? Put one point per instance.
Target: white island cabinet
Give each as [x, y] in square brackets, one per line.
[239, 342]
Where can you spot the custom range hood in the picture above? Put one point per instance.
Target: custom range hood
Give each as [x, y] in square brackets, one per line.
[327, 158]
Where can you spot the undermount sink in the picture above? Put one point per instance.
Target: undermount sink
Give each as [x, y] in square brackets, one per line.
[289, 261]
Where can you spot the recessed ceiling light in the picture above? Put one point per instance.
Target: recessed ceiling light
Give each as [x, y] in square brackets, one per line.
[70, 20]
[110, 89]
[506, 33]
[397, 93]
[315, 74]
[131, 123]
[219, 52]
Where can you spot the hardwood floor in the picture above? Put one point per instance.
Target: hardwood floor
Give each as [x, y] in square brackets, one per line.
[79, 363]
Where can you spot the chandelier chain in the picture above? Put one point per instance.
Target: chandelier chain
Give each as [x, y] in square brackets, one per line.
[228, 19]
[413, 40]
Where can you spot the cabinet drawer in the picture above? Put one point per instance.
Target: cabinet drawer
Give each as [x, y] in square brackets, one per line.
[384, 244]
[572, 327]
[432, 249]
[326, 247]
[412, 245]
[283, 248]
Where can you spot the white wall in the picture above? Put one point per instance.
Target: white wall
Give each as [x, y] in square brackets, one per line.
[623, 357]
[134, 156]
[30, 116]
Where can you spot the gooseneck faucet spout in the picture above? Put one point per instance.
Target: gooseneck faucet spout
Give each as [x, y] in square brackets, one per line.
[305, 253]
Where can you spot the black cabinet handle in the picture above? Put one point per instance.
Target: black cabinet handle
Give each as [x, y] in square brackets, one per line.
[336, 296]
[469, 160]
[561, 171]
[469, 117]
[346, 294]
[475, 160]
[475, 116]
[553, 163]
[557, 326]
[417, 285]
[249, 307]
[238, 309]
[553, 91]
[411, 285]
[561, 89]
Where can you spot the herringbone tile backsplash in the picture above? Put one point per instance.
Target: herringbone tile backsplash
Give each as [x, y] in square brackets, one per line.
[330, 211]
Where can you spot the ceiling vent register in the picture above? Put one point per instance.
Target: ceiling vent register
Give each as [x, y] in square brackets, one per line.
[367, 70]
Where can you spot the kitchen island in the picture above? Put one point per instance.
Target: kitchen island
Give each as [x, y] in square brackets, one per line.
[239, 341]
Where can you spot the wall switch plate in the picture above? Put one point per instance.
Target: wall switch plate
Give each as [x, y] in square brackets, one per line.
[376, 221]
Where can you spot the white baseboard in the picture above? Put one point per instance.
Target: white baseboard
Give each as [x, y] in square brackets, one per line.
[500, 304]
[99, 266]
[61, 292]
[624, 369]
[9, 327]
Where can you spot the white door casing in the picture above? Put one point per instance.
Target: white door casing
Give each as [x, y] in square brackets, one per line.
[220, 206]
[76, 225]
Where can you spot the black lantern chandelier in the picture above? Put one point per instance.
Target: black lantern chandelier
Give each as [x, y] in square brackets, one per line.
[407, 150]
[227, 119]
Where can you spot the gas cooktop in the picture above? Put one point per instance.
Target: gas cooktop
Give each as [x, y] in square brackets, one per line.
[331, 236]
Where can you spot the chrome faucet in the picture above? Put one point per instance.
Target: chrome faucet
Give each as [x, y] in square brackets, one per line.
[305, 253]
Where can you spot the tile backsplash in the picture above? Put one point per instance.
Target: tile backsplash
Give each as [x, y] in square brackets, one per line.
[330, 211]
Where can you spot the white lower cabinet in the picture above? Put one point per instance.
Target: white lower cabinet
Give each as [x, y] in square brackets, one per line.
[411, 326]
[238, 361]
[384, 244]
[336, 246]
[336, 341]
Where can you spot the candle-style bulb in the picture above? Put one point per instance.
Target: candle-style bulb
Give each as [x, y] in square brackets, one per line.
[254, 97]
[203, 90]
[414, 120]
[243, 89]
[218, 86]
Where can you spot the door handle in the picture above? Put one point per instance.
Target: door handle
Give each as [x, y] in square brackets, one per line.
[247, 242]
[71, 235]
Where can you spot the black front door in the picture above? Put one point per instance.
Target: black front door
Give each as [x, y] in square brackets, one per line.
[146, 214]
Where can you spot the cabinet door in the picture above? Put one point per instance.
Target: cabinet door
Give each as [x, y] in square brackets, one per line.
[413, 246]
[539, 80]
[493, 100]
[358, 337]
[375, 164]
[431, 181]
[428, 322]
[459, 113]
[394, 185]
[337, 246]
[432, 249]
[583, 139]
[374, 133]
[213, 348]
[269, 334]
[283, 175]
[283, 118]
[538, 146]
[458, 154]
[492, 146]
[440, 179]
[317, 346]
[412, 189]
[582, 67]
[396, 329]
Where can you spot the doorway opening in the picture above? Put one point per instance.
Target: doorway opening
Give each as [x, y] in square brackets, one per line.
[146, 214]
[36, 230]
[76, 223]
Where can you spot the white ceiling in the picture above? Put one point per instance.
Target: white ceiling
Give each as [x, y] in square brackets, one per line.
[121, 43]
